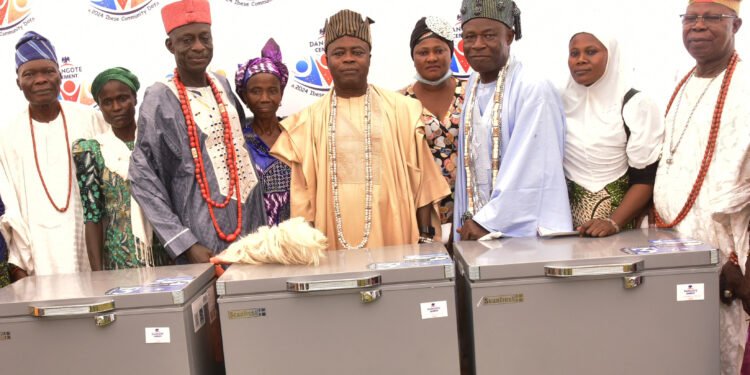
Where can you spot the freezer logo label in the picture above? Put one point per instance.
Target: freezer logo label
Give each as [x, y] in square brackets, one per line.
[690, 292]
[248, 313]
[502, 300]
[437, 309]
[4, 336]
[157, 335]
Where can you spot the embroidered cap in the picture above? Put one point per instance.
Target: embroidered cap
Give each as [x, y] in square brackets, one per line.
[505, 11]
[347, 23]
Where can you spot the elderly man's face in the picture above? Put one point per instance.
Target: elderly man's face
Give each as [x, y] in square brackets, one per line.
[192, 47]
[486, 44]
[40, 81]
[709, 40]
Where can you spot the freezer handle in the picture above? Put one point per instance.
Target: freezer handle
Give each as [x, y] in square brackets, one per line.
[320, 285]
[593, 270]
[72, 310]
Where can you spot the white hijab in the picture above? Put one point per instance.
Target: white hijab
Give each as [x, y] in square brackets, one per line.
[595, 141]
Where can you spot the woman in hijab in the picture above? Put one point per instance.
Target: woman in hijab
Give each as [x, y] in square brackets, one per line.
[117, 234]
[613, 140]
[260, 84]
[442, 96]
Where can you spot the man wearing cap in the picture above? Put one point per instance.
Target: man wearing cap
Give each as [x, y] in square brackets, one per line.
[510, 179]
[702, 184]
[43, 221]
[362, 172]
[190, 171]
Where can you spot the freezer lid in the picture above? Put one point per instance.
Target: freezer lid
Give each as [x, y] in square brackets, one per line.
[342, 269]
[94, 292]
[627, 252]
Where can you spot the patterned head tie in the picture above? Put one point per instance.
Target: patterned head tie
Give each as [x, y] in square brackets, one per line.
[431, 27]
[269, 62]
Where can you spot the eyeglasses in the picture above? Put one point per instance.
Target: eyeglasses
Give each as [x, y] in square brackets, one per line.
[708, 19]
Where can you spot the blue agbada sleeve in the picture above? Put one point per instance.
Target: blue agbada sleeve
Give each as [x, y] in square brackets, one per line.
[530, 189]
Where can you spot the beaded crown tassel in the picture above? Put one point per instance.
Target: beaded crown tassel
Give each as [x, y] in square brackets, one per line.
[197, 154]
[710, 146]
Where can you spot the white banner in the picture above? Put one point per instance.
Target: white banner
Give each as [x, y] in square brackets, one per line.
[92, 35]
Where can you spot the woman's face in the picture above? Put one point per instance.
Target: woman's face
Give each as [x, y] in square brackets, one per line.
[263, 95]
[587, 59]
[432, 58]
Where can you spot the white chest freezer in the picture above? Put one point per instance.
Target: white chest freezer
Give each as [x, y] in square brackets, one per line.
[371, 311]
[639, 302]
[135, 321]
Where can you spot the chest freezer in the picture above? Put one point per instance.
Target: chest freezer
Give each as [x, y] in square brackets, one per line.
[135, 321]
[640, 302]
[373, 311]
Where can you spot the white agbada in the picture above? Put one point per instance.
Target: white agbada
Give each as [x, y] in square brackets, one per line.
[597, 150]
[721, 212]
[40, 239]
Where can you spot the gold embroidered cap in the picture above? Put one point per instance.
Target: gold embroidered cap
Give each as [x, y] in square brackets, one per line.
[347, 23]
[731, 4]
[505, 11]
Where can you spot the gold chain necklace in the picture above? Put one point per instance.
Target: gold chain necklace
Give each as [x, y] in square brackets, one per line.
[497, 124]
[368, 173]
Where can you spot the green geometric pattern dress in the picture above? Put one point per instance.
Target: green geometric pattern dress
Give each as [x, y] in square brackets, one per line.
[106, 199]
[586, 205]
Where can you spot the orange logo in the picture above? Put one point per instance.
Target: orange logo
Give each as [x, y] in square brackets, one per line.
[13, 12]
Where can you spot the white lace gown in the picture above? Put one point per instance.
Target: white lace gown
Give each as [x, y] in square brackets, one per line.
[722, 210]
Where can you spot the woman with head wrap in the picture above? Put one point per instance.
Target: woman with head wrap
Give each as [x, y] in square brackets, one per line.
[442, 96]
[260, 84]
[613, 140]
[117, 236]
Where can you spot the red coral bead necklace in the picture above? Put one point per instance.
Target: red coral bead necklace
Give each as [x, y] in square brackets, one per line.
[197, 154]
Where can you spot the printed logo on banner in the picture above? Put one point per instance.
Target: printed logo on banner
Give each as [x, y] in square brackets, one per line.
[311, 74]
[73, 89]
[121, 10]
[459, 65]
[249, 3]
[14, 15]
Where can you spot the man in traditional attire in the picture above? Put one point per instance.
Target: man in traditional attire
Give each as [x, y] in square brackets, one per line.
[362, 172]
[703, 181]
[43, 220]
[190, 171]
[510, 167]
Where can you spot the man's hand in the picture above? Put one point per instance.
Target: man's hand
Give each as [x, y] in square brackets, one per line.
[199, 254]
[471, 231]
[734, 284]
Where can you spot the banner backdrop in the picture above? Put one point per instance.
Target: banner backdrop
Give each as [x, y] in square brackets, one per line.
[92, 35]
